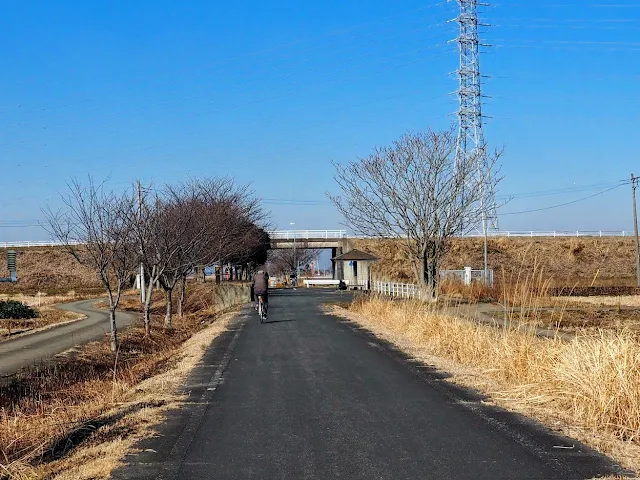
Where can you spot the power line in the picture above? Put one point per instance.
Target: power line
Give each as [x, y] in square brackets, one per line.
[567, 5]
[567, 203]
[559, 191]
[319, 202]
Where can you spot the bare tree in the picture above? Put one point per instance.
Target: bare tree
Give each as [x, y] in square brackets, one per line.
[97, 228]
[285, 261]
[209, 221]
[191, 228]
[238, 221]
[416, 189]
[167, 233]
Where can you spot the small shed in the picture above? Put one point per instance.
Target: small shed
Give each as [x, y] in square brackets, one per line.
[356, 266]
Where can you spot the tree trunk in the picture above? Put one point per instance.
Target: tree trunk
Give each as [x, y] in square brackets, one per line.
[430, 262]
[147, 319]
[147, 308]
[200, 274]
[168, 313]
[148, 296]
[183, 294]
[114, 328]
[432, 278]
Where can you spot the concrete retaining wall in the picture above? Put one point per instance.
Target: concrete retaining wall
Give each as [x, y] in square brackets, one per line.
[228, 295]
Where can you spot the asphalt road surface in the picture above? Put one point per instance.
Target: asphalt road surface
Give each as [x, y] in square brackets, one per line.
[310, 396]
[40, 346]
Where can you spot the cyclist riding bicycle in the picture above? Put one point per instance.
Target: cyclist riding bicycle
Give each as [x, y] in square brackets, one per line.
[260, 287]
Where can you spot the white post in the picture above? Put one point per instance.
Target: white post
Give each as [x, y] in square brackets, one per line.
[467, 276]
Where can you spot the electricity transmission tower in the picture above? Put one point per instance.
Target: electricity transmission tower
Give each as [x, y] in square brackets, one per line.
[470, 142]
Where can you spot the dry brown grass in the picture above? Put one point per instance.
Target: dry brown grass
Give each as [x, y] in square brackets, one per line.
[143, 408]
[587, 387]
[564, 261]
[40, 299]
[587, 320]
[619, 301]
[93, 397]
[49, 316]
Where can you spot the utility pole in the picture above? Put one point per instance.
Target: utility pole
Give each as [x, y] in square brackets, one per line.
[142, 279]
[295, 256]
[470, 142]
[635, 226]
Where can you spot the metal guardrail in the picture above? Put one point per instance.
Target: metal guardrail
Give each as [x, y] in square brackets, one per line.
[541, 233]
[45, 243]
[555, 233]
[336, 234]
[307, 234]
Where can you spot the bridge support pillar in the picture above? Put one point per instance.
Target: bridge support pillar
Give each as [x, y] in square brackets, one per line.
[338, 267]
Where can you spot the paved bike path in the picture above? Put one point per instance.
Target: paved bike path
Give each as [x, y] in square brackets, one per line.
[309, 396]
[40, 346]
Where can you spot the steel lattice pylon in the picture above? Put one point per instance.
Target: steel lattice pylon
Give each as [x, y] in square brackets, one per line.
[470, 135]
[471, 140]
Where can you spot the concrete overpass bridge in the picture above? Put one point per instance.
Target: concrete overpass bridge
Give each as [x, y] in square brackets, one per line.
[308, 239]
[336, 240]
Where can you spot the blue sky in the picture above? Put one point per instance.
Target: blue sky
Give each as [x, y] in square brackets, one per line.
[271, 92]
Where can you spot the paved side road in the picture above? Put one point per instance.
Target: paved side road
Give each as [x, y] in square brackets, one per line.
[39, 346]
[309, 396]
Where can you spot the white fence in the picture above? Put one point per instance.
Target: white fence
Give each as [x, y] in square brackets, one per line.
[410, 290]
[398, 290]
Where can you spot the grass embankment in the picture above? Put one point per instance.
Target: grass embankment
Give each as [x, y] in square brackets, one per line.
[50, 270]
[77, 418]
[588, 388]
[566, 262]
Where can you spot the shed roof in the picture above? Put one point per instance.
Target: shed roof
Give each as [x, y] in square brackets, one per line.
[355, 255]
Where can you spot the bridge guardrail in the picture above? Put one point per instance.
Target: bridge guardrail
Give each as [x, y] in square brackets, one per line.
[337, 234]
[31, 243]
[306, 234]
[541, 233]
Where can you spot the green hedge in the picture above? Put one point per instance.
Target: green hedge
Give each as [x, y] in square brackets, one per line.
[16, 310]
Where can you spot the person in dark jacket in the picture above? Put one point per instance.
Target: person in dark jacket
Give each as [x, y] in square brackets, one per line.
[260, 286]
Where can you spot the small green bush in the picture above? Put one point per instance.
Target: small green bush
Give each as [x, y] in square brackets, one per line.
[16, 310]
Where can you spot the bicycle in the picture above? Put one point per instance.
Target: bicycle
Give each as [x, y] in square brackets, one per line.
[262, 309]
